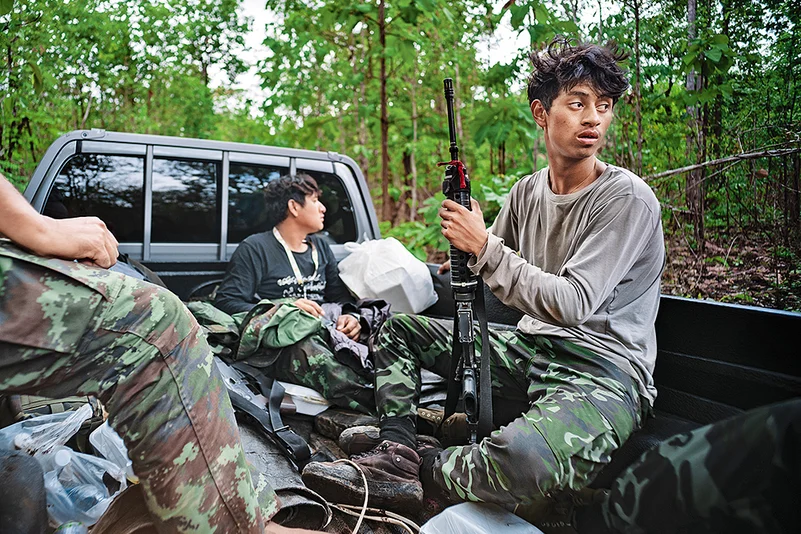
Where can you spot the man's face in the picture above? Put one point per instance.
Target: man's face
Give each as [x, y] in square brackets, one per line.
[311, 215]
[576, 123]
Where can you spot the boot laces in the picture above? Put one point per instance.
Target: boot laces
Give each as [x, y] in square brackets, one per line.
[372, 452]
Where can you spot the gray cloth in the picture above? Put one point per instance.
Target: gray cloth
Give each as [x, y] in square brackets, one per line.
[583, 266]
[341, 342]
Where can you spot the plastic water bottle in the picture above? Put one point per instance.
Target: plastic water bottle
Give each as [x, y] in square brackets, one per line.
[85, 496]
[56, 460]
[72, 527]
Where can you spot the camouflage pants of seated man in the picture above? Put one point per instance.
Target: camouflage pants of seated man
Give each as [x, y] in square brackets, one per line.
[562, 410]
[310, 362]
[67, 328]
[737, 475]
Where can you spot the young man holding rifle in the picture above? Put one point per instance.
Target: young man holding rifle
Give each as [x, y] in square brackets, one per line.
[578, 248]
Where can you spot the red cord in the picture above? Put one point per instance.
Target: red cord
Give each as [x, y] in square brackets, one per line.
[460, 166]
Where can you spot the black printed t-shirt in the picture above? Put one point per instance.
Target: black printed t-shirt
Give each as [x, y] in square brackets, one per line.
[260, 269]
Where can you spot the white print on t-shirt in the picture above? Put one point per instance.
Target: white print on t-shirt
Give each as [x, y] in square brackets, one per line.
[314, 287]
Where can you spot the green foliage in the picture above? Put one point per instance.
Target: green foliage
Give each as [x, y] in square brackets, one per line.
[112, 65]
[146, 65]
[421, 237]
[6, 6]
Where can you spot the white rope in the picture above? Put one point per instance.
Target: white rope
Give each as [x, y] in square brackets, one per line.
[384, 516]
[405, 524]
[366, 492]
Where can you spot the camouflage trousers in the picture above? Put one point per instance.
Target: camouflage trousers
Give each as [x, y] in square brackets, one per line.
[310, 362]
[561, 409]
[737, 475]
[67, 328]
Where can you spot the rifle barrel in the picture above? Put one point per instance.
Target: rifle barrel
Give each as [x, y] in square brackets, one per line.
[454, 149]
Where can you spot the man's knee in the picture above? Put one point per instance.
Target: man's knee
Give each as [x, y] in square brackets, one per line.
[510, 467]
[153, 313]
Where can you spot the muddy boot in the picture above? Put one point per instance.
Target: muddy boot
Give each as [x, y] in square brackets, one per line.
[454, 430]
[360, 439]
[391, 470]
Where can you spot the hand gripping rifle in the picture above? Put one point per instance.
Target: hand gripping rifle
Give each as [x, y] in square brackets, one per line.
[467, 368]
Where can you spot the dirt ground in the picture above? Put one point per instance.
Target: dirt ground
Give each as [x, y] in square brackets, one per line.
[740, 271]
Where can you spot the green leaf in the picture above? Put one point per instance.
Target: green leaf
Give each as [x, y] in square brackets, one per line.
[426, 5]
[6, 6]
[540, 33]
[38, 84]
[720, 39]
[714, 54]
[518, 15]
[568, 27]
[410, 14]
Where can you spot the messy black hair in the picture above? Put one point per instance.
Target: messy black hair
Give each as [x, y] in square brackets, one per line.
[564, 65]
[278, 193]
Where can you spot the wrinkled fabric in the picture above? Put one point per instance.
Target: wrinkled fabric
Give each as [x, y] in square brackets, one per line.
[271, 325]
[70, 328]
[736, 475]
[573, 410]
[293, 346]
[341, 344]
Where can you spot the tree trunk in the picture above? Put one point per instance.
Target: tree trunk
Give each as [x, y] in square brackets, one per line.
[413, 161]
[457, 104]
[502, 159]
[600, 20]
[694, 184]
[386, 204]
[364, 162]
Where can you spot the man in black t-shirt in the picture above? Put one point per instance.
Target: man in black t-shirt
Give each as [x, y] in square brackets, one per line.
[287, 264]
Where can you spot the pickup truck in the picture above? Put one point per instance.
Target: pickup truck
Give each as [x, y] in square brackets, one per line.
[181, 206]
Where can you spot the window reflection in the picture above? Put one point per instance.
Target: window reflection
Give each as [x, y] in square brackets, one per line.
[108, 187]
[185, 202]
[340, 224]
[246, 198]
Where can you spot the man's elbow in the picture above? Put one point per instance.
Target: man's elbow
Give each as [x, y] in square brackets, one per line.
[572, 311]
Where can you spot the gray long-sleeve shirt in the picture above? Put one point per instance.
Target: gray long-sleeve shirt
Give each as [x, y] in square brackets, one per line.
[588, 267]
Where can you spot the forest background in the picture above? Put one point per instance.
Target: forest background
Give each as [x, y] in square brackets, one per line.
[712, 120]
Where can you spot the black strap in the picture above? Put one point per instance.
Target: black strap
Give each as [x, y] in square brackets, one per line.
[485, 424]
[485, 380]
[292, 445]
[454, 389]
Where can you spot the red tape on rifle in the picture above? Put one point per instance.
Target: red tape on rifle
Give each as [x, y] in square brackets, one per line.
[460, 166]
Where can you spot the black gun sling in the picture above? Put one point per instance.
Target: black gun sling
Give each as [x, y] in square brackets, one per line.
[293, 446]
[485, 424]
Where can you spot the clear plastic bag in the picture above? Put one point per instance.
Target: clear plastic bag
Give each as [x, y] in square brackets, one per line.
[79, 487]
[44, 433]
[477, 518]
[110, 446]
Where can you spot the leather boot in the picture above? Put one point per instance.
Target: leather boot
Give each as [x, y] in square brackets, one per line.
[392, 472]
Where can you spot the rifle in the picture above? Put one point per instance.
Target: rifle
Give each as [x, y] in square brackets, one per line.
[468, 293]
